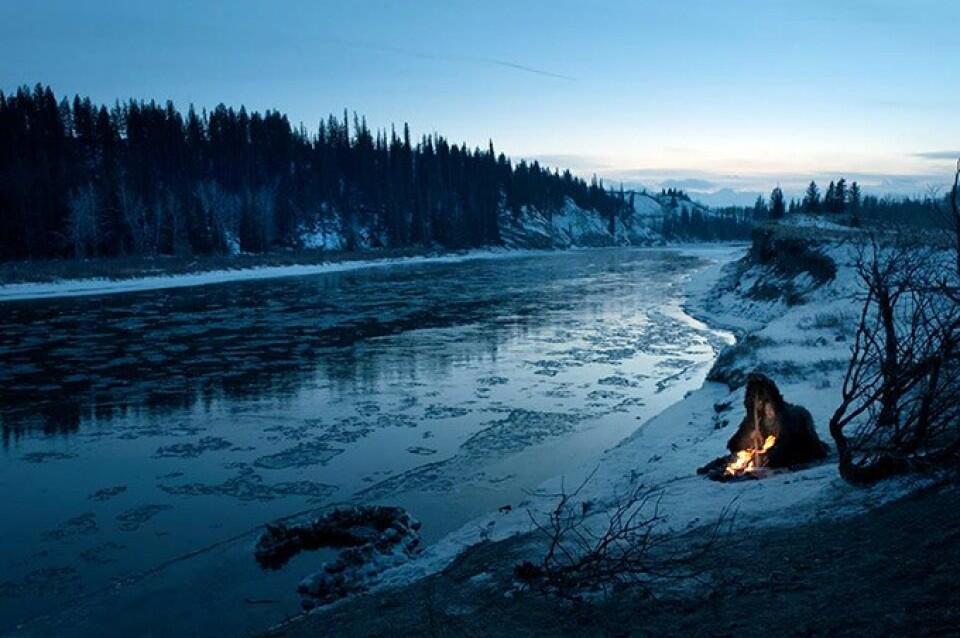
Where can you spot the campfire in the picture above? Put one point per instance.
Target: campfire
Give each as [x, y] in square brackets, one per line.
[773, 434]
[750, 459]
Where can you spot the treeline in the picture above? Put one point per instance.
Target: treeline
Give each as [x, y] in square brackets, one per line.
[839, 199]
[141, 178]
[685, 220]
[847, 204]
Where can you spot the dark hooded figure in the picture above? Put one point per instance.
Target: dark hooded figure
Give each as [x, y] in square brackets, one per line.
[767, 414]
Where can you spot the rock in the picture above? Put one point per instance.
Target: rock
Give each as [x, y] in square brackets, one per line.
[373, 539]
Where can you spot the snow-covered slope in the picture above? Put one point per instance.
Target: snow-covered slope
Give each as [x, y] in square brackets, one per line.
[572, 226]
[792, 309]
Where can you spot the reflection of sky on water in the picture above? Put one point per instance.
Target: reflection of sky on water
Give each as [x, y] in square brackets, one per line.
[140, 427]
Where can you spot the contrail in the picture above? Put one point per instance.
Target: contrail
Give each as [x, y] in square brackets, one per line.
[528, 69]
[453, 58]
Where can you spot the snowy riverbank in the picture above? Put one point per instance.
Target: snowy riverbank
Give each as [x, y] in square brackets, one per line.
[798, 335]
[106, 286]
[448, 390]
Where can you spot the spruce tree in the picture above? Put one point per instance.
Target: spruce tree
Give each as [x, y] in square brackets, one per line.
[840, 196]
[144, 178]
[855, 203]
[829, 200]
[759, 209]
[777, 204]
[811, 199]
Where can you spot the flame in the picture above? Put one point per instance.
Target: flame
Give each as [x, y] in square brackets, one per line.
[750, 459]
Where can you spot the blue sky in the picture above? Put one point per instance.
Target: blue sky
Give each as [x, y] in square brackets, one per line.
[736, 94]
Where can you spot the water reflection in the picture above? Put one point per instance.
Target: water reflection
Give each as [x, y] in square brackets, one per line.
[71, 361]
[138, 428]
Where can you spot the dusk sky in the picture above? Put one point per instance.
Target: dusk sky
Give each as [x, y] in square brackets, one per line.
[739, 94]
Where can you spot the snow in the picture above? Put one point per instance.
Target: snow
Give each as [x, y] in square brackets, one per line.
[645, 205]
[805, 348]
[84, 287]
[568, 227]
[233, 244]
[325, 234]
[573, 226]
[820, 223]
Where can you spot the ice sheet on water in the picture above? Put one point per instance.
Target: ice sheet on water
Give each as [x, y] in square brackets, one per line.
[107, 493]
[133, 519]
[304, 454]
[248, 485]
[192, 450]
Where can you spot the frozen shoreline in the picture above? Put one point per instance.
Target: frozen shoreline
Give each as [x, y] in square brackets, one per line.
[103, 286]
[596, 344]
[666, 450]
[85, 287]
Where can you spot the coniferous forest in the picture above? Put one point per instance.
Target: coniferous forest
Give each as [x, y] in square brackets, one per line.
[79, 179]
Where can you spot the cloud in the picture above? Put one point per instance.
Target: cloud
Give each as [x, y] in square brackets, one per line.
[690, 184]
[939, 155]
[720, 188]
[520, 67]
[424, 55]
[582, 164]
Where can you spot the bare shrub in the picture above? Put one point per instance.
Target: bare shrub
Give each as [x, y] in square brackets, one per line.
[84, 225]
[900, 408]
[221, 210]
[135, 217]
[610, 550]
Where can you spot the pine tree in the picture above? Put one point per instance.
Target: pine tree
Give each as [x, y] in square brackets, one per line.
[855, 203]
[829, 200]
[811, 199]
[777, 204]
[142, 178]
[760, 209]
[840, 196]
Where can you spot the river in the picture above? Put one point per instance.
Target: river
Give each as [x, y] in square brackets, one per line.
[147, 435]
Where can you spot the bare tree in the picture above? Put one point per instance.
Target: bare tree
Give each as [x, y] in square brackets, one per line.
[221, 210]
[84, 226]
[134, 213]
[900, 407]
[603, 551]
[263, 204]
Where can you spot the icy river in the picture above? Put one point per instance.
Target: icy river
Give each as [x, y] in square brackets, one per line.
[146, 436]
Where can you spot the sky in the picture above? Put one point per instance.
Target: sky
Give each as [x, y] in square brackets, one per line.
[721, 98]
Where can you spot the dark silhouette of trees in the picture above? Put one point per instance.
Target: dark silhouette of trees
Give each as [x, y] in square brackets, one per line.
[777, 204]
[685, 220]
[760, 210]
[855, 199]
[835, 199]
[811, 199]
[142, 178]
[829, 198]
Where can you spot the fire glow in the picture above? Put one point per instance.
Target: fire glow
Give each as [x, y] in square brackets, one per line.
[750, 459]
